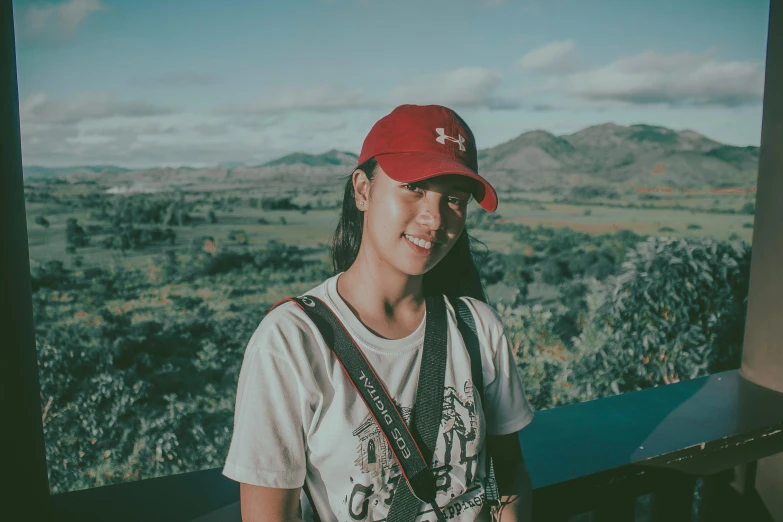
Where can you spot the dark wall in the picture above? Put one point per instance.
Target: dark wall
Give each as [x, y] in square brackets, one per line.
[25, 490]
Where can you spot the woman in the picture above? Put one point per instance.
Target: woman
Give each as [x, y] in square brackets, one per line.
[401, 237]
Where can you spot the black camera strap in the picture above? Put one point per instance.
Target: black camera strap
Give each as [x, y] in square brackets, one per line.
[413, 446]
[467, 327]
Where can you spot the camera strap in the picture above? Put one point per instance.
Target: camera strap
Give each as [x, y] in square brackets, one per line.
[413, 446]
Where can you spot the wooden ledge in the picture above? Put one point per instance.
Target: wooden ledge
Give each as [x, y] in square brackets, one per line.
[699, 426]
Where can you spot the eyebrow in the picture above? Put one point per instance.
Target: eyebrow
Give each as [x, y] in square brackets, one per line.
[460, 188]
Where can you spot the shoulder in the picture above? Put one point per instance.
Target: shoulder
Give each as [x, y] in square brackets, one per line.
[284, 330]
[486, 317]
[286, 327]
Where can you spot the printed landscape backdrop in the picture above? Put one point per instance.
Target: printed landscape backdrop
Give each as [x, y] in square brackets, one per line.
[184, 166]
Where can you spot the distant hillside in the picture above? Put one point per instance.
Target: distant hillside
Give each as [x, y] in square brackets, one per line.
[624, 158]
[33, 171]
[330, 158]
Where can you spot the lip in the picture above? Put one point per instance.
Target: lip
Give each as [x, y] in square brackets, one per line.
[419, 250]
[425, 238]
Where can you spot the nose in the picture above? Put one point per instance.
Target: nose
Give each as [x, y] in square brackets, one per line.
[431, 215]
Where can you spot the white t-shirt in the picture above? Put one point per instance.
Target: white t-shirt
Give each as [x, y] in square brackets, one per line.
[298, 418]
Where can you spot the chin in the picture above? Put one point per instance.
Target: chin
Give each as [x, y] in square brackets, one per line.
[411, 266]
[413, 271]
[419, 270]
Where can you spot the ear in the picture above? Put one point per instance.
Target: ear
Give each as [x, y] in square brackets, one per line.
[361, 189]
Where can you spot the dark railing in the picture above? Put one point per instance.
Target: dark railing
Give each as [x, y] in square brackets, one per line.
[640, 453]
[601, 456]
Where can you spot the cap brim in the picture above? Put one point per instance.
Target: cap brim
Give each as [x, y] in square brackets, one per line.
[407, 167]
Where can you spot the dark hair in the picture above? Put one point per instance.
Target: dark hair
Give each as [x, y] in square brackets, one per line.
[455, 275]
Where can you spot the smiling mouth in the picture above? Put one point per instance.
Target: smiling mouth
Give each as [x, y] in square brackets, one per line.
[427, 245]
[420, 246]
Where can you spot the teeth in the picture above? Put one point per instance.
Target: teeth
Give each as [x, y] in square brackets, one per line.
[419, 242]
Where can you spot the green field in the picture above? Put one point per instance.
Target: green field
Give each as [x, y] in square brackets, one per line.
[645, 221]
[315, 227]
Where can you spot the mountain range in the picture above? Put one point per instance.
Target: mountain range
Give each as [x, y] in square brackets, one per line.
[623, 157]
[610, 156]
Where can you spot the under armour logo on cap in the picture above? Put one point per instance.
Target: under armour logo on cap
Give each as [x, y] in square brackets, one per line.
[442, 138]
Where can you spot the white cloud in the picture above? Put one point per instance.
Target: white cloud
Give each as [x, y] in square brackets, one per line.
[470, 87]
[316, 99]
[134, 130]
[36, 135]
[39, 108]
[55, 23]
[176, 79]
[672, 79]
[137, 154]
[554, 58]
[166, 139]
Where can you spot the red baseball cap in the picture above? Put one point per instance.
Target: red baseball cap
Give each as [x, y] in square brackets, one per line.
[417, 142]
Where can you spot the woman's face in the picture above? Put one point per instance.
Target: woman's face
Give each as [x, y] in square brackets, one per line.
[412, 226]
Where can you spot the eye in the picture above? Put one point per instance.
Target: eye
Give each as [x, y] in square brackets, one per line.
[457, 202]
[411, 186]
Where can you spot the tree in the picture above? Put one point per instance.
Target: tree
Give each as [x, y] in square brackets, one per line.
[675, 311]
[75, 236]
[544, 361]
[239, 236]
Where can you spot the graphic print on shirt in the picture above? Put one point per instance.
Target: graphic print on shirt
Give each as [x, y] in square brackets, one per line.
[454, 464]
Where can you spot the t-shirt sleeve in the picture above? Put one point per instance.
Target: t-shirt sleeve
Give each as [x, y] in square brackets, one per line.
[507, 409]
[268, 441]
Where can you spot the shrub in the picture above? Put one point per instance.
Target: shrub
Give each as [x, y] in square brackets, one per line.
[278, 204]
[593, 191]
[238, 236]
[51, 274]
[543, 360]
[75, 235]
[675, 311]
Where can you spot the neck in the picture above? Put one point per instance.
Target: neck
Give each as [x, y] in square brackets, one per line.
[375, 288]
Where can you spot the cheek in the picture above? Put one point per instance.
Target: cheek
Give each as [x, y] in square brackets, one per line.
[392, 217]
[455, 226]
[458, 223]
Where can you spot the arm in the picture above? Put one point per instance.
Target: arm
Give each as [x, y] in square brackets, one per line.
[514, 485]
[507, 409]
[267, 455]
[260, 504]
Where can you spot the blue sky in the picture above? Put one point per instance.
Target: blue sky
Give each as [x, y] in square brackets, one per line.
[144, 83]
